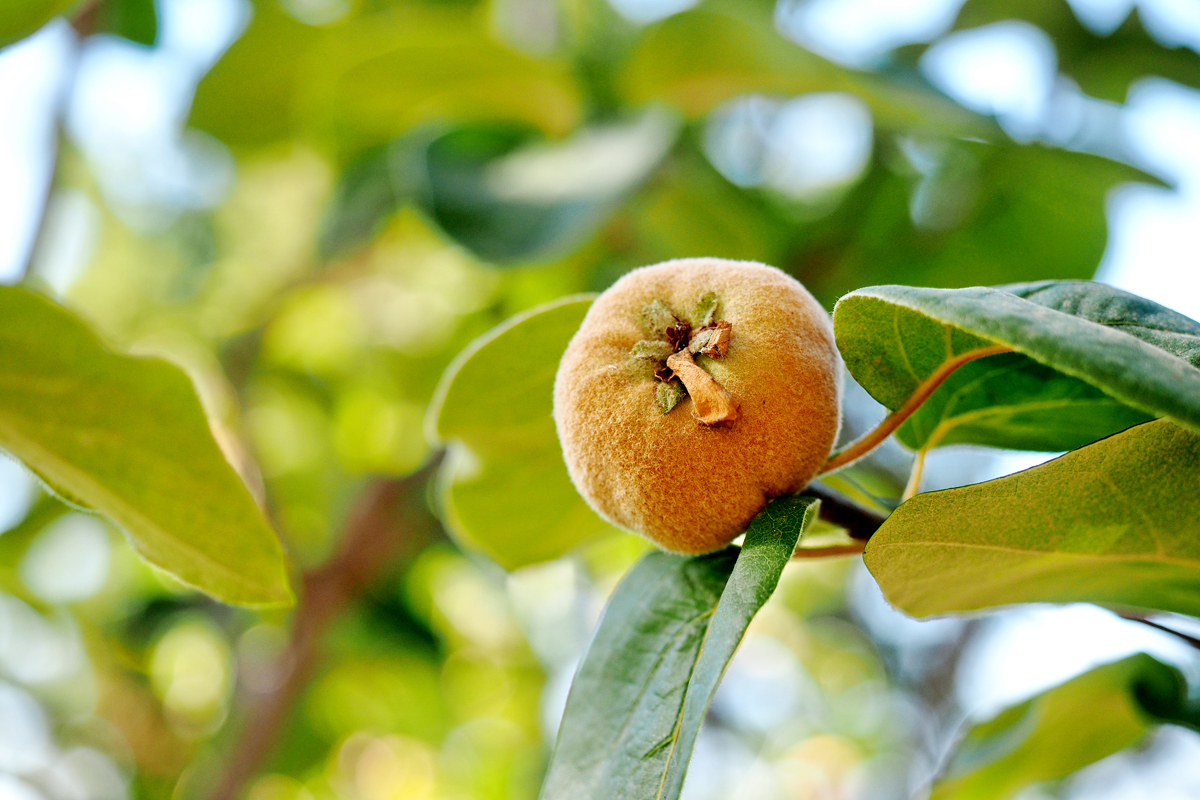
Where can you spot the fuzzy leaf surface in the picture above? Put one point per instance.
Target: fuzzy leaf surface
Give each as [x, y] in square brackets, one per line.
[1043, 740]
[504, 487]
[1115, 523]
[128, 438]
[1090, 361]
[650, 673]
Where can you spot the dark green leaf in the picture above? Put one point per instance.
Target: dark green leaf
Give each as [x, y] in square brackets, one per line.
[1044, 739]
[500, 189]
[127, 437]
[135, 20]
[22, 17]
[505, 488]
[1073, 380]
[974, 214]
[1012, 401]
[649, 675]
[1115, 523]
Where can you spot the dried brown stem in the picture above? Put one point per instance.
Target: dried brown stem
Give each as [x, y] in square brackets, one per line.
[711, 404]
[388, 524]
[859, 448]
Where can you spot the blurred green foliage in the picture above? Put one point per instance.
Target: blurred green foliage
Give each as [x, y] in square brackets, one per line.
[409, 174]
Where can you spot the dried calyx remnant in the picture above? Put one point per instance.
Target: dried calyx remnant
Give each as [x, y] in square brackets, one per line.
[673, 344]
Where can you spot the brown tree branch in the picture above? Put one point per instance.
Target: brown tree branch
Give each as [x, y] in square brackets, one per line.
[838, 509]
[388, 524]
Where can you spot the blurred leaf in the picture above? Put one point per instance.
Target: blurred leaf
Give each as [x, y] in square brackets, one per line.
[650, 673]
[504, 487]
[501, 189]
[978, 214]
[366, 80]
[1012, 401]
[22, 17]
[1045, 739]
[1103, 66]
[894, 337]
[128, 438]
[136, 20]
[1116, 523]
[698, 59]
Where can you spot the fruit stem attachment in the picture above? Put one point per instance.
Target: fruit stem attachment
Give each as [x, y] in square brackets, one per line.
[860, 447]
[711, 404]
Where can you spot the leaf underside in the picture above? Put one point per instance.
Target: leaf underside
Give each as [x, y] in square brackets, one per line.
[1090, 360]
[1043, 738]
[128, 438]
[1115, 523]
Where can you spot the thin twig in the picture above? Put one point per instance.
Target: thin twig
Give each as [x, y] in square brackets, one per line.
[859, 448]
[388, 523]
[831, 550]
[1191, 640]
[838, 509]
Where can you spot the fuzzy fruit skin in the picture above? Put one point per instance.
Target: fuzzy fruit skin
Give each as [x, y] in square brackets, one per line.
[687, 487]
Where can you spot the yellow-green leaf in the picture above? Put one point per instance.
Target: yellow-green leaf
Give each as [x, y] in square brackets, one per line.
[1115, 523]
[504, 486]
[127, 437]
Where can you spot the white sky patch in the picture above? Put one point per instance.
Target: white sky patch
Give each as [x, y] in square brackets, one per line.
[32, 73]
[860, 32]
[1007, 69]
[1154, 246]
[644, 12]
[1029, 649]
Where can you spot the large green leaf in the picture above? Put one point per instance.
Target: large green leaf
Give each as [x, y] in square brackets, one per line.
[649, 675]
[741, 51]
[22, 17]
[504, 487]
[1115, 523]
[1013, 401]
[365, 80]
[127, 437]
[1044, 738]
[501, 189]
[1106, 361]
[954, 213]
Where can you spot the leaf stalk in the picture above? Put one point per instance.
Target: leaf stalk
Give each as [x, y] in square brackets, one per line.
[865, 444]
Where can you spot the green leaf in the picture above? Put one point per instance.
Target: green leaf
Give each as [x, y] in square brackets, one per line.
[362, 81]
[135, 20]
[1043, 738]
[652, 668]
[23, 17]
[501, 189]
[1115, 523]
[962, 213]
[1106, 361]
[127, 437]
[504, 487]
[741, 51]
